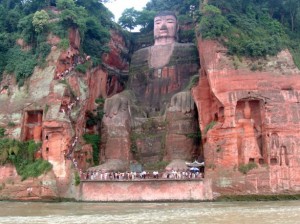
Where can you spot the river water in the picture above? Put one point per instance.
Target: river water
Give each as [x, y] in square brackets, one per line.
[278, 212]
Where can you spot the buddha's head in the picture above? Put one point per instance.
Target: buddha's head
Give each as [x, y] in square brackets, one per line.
[165, 28]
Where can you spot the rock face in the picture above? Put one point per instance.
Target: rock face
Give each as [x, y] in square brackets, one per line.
[116, 65]
[253, 116]
[13, 188]
[248, 113]
[51, 108]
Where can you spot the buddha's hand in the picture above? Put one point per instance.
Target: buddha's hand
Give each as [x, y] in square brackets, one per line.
[115, 105]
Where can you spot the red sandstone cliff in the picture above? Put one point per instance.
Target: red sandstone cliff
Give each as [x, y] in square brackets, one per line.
[51, 108]
[255, 108]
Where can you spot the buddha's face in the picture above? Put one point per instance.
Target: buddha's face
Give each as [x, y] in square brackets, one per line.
[165, 27]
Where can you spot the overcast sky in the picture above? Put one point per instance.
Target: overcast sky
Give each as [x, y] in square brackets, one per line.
[118, 6]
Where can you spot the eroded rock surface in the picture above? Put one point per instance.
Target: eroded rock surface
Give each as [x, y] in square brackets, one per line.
[247, 116]
[51, 108]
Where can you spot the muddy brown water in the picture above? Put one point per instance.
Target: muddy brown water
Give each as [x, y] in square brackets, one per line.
[276, 212]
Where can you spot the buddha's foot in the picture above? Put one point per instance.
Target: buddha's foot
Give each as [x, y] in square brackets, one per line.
[112, 165]
[177, 164]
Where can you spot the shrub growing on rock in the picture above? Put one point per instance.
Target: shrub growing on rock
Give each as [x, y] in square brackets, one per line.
[245, 168]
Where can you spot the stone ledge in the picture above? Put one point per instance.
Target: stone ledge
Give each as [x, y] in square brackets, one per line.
[141, 180]
[146, 190]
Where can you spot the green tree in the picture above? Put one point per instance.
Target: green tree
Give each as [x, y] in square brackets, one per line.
[145, 19]
[292, 8]
[12, 19]
[94, 7]
[6, 42]
[74, 17]
[95, 39]
[2, 132]
[25, 26]
[65, 4]
[213, 23]
[128, 18]
[31, 6]
[94, 140]
[40, 20]
[179, 6]
[29, 20]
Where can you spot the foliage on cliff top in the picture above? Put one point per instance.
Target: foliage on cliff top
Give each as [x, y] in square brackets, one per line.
[21, 154]
[253, 28]
[33, 20]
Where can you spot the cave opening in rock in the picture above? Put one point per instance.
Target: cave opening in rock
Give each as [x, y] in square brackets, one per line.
[273, 161]
[32, 129]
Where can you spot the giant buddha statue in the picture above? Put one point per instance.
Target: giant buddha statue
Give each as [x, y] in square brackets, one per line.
[151, 120]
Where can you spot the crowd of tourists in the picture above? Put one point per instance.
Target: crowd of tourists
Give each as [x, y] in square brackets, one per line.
[125, 176]
[66, 107]
[78, 60]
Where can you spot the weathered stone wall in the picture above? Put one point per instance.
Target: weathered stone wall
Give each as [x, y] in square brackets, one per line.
[256, 116]
[252, 107]
[274, 179]
[13, 188]
[51, 108]
[147, 190]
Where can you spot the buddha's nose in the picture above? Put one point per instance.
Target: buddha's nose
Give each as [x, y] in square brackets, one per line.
[164, 27]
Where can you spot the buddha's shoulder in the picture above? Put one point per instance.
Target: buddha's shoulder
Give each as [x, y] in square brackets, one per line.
[180, 51]
[142, 53]
[185, 49]
[140, 57]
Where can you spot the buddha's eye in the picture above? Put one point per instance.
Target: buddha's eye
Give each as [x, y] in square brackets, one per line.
[170, 21]
[157, 21]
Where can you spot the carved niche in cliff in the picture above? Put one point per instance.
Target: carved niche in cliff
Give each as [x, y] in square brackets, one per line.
[151, 121]
[249, 131]
[32, 126]
[279, 153]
